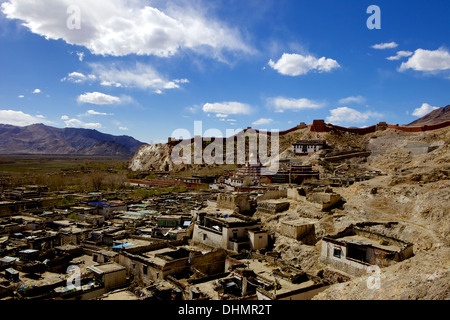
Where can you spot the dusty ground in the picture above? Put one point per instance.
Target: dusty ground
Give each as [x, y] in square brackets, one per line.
[414, 192]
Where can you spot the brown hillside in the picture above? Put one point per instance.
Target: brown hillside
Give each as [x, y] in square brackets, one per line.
[434, 117]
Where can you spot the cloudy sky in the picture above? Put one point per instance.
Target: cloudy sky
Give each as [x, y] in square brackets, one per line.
[147, 68]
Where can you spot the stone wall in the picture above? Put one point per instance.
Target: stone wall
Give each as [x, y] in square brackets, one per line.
[210, 263]
[272, 194]
[273, 206]
[324, 200]
[296, 193]
[297, 229]
[231, 201]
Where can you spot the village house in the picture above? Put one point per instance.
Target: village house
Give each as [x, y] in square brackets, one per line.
[233, 201]
[305, 147]
[294, 174]
[108, 209]
[248, 175]
[302, 229]
[104, 256]
[229, 232]
[159, 260]
[256, 279]
[355, 249]
[110, 275]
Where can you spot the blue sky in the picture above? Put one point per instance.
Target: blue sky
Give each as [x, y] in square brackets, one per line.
[146, 68]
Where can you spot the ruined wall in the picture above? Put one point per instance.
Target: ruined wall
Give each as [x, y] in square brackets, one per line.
[272, 194]
[230, 201]
[296, 193]
[272, 207]
[210, 263]
[324, 200]
[296, 229]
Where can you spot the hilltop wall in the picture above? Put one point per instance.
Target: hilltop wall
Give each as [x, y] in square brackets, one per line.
[420, 129]
[321, 126]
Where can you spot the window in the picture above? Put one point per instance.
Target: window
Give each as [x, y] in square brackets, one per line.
[337, 253]
[144, 269]
[204, 236]
[357, 252]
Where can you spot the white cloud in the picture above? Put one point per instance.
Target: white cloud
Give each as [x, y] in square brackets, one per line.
[76, 123]
[262, 121]
[345, 115]
[220, 115]
[21, 96]
[37, 91]
[95, 113]
[123, 128]
[75, 77]
[111, 84]
[399, 55]
[281, 104]
[119, 28]
[226, 108]
[353, 99]
[297, 64]
[382, 46]
[80, 56]
[193, 109]
[98, 98]
[19, 118]
[181, 80]
[423, 110]
[428, 60]
[140, 76]
[64, 117]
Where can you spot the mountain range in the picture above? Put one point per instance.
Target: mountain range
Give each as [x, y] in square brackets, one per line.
[42, 139]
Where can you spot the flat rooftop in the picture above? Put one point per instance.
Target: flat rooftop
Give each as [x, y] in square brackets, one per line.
[264, 271]
[299, 222]
[107, 268]
[123, 294]
[356, 239]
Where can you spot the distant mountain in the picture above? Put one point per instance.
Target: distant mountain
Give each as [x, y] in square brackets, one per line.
[434, 117]
[42, 139]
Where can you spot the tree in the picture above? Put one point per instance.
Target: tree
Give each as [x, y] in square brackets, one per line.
[97, 180]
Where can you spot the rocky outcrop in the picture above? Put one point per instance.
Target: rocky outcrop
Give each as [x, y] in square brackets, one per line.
[155, 157]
